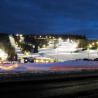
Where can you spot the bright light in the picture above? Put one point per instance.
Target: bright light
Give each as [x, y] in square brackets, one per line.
[52, 60]
[90, 46]
[8, 68]
[21, 38]
[41, 60]
[67, 46]
[36, 61]
[46, 36]
[93, 43]
[50, 37]
[44, 46]
[12, 41]
[21, 35]
[17, 34]
[47, 61]
[97, 42]
[33, 46]
[26, 60]
[51, 44]
[3, 55]
[60, 39]
[27, 53]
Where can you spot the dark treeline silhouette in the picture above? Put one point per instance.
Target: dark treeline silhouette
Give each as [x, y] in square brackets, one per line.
[72, 36]
[33, 41]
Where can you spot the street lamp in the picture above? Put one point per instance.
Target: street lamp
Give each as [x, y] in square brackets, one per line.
[17, 34]
[40, 36]
[21, 35]
[90, 46]
[93, 43]
[60, 39]
[97, 43]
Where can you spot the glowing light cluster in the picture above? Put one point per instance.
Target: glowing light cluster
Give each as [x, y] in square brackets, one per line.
[67, 46]
[3, 55]
[21, 38]
[8, 68]
[43, 60]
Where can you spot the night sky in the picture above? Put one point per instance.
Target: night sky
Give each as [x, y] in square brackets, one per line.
[51, 16]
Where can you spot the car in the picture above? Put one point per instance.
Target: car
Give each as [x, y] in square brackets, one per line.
[96, 59]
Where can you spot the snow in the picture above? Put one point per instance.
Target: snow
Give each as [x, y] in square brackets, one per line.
[68, 59]
[65, 56]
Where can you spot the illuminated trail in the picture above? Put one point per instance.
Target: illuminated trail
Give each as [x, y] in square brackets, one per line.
[12, 41]
[67, 46]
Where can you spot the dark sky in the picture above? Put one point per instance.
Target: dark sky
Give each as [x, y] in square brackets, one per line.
[52, 16]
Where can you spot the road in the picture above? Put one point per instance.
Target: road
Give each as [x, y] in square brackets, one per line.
[85, 87]
[67, 66]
